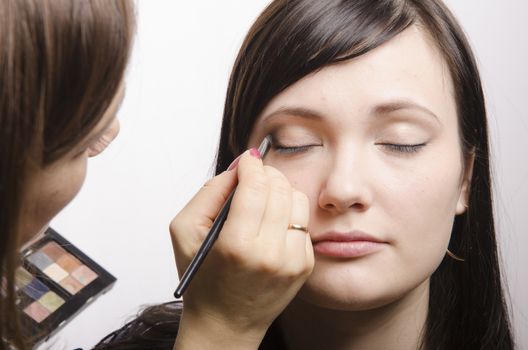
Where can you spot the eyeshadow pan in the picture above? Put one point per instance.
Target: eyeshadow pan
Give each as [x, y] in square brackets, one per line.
[71, 285]
[35, 289]
[22, 277]
[51, 301]
[37, 312]
[84, 275]
[53, 250]
[55, 282]
[55, 272]
[40, 260]
[68, 263]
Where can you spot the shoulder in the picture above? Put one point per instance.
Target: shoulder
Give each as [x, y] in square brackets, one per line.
[155, 327]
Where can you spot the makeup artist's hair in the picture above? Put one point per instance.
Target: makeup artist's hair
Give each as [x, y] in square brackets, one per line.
[293, 38]
[61, 64]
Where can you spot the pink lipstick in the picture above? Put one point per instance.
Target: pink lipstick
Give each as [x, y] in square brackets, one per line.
[353, 244]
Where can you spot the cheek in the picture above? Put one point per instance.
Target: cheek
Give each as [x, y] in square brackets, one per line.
[59, 187]
[303, 176]
[411, 202]
[420, 206]
[431, 190]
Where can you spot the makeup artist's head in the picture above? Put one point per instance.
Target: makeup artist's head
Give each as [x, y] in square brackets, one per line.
[61, 75]
[377, 114]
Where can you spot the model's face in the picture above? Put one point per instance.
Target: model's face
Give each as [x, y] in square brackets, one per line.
[374, 143]
[51, 188]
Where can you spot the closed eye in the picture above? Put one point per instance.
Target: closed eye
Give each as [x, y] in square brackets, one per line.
[283, 149]
[402, 148]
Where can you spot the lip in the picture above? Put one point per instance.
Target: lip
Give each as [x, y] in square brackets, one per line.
[353, 244]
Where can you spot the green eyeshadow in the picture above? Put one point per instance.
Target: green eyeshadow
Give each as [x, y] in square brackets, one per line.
[55, 283]
[23, 277]
[51, 301]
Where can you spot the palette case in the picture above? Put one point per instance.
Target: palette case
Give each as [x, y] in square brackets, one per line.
[55, 282]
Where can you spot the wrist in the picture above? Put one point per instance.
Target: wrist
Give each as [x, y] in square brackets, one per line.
[203, 332]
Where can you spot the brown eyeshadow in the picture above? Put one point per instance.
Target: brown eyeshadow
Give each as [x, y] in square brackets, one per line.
[68, 263]
[53, 250]
[54, 283]
[71, 285]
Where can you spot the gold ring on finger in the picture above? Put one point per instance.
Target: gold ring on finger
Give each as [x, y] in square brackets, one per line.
[298, 227]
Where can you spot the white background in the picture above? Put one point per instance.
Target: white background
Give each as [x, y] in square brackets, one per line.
[170, 121]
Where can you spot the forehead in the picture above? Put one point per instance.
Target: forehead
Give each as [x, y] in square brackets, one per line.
[409, 67]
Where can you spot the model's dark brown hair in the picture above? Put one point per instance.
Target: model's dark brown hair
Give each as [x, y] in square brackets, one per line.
[293, 38]
[61, 64]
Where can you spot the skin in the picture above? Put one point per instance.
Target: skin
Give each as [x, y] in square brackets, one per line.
[52, 187]
[364, 176]
[256, 266]
[245, 246]
[358, 181]
[358, 126]
[379, 138]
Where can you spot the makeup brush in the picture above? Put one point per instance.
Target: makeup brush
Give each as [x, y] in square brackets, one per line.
[213, 232]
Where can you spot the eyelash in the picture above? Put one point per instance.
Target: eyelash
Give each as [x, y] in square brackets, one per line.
[403, 148]
[290, 149]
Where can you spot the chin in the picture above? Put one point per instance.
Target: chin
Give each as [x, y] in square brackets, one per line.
[346, 299]
[350, 287]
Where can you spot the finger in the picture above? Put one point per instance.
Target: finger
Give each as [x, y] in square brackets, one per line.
[296, 239]
[249, 200]
[207, 202]
[277, 214]
[189, 227]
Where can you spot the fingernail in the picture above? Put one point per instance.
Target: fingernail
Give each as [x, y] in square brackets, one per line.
[234, 163]
[254, 152]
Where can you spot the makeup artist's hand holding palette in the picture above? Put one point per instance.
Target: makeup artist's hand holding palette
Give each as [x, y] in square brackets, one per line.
[55, 282]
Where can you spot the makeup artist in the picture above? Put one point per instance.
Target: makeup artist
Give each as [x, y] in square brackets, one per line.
[61, 83]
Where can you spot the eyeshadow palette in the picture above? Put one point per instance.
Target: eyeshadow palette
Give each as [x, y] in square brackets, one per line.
[56, 281]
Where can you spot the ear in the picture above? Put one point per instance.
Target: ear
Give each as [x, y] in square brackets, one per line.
[463, 199]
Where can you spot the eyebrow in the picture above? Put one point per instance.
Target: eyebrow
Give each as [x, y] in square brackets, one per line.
[380, 109]
[295, 111]
[393, 106]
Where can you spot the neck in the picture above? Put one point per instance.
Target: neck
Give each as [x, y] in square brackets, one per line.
[398, 325]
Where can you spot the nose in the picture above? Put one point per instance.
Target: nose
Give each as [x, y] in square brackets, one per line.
[346, 184]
